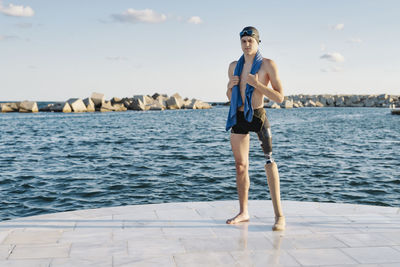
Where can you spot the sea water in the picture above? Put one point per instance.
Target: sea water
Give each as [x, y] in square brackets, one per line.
[52, 162]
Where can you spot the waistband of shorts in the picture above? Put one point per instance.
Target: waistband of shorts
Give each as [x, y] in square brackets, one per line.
[258, 112]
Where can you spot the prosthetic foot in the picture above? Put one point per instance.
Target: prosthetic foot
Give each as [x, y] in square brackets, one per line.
[271, 170]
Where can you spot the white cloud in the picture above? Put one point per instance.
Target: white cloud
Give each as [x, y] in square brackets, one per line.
[355, 40]
[323, 47]
[195, 20]
[334, 57]
[137, 16]
[16, 11]
[338, 27]
[332, 69]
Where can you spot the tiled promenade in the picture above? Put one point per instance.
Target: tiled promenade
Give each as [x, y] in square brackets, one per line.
[195, 234]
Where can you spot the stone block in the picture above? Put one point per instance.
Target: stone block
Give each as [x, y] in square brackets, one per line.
[28, 106]
[119, 107]
[97, 99]
[106, 107]
[61, 107]
[90, 107]
[287, 104]
[77, 105]
[174, 103]
[9, 107]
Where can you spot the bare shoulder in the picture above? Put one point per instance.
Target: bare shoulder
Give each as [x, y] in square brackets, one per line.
[231, 68]
[233, 64]
[268, 64]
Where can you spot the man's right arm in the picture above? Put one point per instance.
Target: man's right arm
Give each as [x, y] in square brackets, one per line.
[233, 80]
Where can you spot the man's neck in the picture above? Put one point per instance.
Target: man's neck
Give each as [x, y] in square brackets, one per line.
[249, 58]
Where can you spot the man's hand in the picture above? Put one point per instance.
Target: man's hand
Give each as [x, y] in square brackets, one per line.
[232, 82]
[253, 80]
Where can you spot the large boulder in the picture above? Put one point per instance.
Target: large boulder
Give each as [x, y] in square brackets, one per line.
[119, 107]
[192, 104]
[144, 99]
[127, 102]
[116, 100]
[77, 105]
[202, 105]
[155, 106]
[187, 104]
[46, 108]
[174, 103]
[370, 101]
[323, 99]
[287, 104]
[9, 107]
[272, 104]
[106, 106]
[90, 107]
[137, 104]
[162, 100]
[310, 103]
[28, 106]
[340, 101]
[330, 101]
[61, 107]
[319, 104]
[97, 99]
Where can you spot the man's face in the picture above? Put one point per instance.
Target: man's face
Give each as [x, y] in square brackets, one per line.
[249, 45]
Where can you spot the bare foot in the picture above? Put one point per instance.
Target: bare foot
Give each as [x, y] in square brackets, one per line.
[279, 224]
[241, 217]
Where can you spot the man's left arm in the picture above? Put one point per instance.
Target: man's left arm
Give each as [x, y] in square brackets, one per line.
[276, 93]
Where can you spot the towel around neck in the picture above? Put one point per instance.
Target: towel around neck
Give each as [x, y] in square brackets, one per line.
[236, 98]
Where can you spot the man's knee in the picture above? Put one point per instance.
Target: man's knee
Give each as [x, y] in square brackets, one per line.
[241, 167]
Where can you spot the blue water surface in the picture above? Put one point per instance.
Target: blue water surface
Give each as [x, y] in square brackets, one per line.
[51, 162]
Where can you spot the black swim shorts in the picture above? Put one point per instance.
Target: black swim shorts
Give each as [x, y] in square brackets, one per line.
[259, 121]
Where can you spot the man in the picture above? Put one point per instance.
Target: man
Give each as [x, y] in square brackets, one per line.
[247, 87]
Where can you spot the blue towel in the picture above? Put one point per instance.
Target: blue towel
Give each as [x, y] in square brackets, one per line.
[236, 98]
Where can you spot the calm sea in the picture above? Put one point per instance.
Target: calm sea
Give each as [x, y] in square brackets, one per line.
[51, 162]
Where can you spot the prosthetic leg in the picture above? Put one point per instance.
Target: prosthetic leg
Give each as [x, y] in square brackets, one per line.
[271, 170]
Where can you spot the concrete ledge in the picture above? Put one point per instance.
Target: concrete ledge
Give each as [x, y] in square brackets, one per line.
[195, 234]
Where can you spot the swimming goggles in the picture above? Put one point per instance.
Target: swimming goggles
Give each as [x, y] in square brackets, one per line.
[247, 33]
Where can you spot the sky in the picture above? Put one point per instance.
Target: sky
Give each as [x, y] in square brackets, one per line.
[56, 50]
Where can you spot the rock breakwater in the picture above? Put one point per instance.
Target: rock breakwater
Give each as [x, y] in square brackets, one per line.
[97, 102]
[298, 101]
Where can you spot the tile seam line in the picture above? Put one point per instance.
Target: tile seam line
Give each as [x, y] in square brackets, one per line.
[351, 257]
[293, 257]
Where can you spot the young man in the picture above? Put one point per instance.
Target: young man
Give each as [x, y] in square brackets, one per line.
[247, 87]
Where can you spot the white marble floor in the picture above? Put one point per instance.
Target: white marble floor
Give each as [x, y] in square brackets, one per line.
[195, 234]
